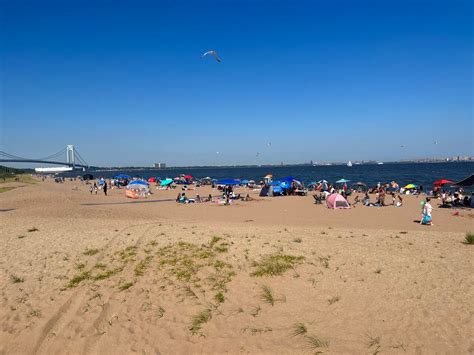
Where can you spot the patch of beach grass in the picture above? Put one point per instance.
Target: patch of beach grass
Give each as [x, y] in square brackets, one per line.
[219, 297]
[469, 238]
[275, 264]
[316, 342]
[297, 240]
[199, 320]
[76, 280]
[90, 251]
[142, 265]
[6, 188]
[125, 285]
[128, 253]
[334, 299]
[16, 279]
[267, 295]
[299, 329]
[35, 313]
[106, 274]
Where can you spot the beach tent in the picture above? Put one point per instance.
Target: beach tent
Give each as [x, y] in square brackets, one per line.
[152, 179]
[228, 182]
[337, 201]
[166, 182]
[469, 181]
[137, 189]
[122, 176]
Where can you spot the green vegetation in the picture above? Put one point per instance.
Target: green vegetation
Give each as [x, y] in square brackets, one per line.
[275, 264]
[316, 342]
[219, 297]
[16, 279]
[142, 265]
[299, 329]
[199, 319]
[125, 285]
[334, 299]
[267, 295]
[469, 239]
[90, 251]
[76, 280]
[6, 188]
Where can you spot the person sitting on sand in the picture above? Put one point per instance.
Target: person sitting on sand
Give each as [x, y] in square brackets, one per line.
[356, 201]
[198, 198]
[426, 213]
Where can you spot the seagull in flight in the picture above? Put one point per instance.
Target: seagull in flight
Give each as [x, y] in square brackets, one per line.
[212, 52]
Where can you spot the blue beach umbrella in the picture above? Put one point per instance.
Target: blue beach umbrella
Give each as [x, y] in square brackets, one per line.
[228, 182]
[122, 176]
[342, 181]
[139, 182]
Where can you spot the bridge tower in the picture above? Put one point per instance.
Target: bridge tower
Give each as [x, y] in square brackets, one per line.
[70, 156]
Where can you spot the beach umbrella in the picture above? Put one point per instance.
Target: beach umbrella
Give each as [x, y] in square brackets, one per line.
[139, 182]
[228, 182]
[166, 182]
[188, 177]
[410, 186]
[342, 181]
[360, 183]
[244, 182]
[442, 182]
[152, 179]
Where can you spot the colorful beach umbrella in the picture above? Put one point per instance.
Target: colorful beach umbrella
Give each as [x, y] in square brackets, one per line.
[442, 182]
[410, 186]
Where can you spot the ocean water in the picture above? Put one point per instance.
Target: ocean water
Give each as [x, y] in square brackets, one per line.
[404, 173]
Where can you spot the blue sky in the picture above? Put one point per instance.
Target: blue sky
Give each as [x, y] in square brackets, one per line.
[321, 80]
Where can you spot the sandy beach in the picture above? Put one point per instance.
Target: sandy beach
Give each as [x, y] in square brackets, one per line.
[85, 273]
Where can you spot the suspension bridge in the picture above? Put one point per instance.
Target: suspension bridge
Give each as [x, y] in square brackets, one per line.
[68, 156]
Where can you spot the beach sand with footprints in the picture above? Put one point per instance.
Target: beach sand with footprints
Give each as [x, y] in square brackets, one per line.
[82, 273]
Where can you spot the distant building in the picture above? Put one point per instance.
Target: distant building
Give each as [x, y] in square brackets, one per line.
[160, 165]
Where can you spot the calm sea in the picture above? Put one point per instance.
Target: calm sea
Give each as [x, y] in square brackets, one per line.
[404, 173]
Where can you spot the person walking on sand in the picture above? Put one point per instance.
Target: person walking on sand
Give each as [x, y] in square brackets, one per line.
[96, 188]
[426, 213]
[91, 188]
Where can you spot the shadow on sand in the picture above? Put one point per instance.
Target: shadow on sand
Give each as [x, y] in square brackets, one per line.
[126, 203]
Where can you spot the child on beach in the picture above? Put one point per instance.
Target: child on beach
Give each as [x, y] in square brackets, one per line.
[426, 213]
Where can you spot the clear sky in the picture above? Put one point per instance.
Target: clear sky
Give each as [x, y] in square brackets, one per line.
[327, 80]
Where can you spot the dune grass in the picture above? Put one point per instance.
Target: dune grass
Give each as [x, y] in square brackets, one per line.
[199, 320]
[469, 238]
[299, 329]
[7, 188]
[267, 295]
[275, 264]
[16, 279]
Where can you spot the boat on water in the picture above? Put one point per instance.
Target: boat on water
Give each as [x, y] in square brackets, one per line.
[349, 163]
[380, 163]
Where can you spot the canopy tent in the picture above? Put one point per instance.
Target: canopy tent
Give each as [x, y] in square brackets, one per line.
[122, 176]
[88, 177]
[342, 181]
[469, 181]
[410, 186]
[166, 182]
[336, 201]
[442, 182]
[228, 182]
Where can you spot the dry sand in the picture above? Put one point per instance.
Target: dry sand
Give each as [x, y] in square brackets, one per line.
[110, 275]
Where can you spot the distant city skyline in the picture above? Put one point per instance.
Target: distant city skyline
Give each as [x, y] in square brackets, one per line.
[313, 80]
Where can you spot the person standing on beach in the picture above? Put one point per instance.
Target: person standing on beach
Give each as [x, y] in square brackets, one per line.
[96, 188]
[426, 213]
[105, 188]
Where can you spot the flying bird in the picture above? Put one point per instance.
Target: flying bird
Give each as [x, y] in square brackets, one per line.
[214, 53]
